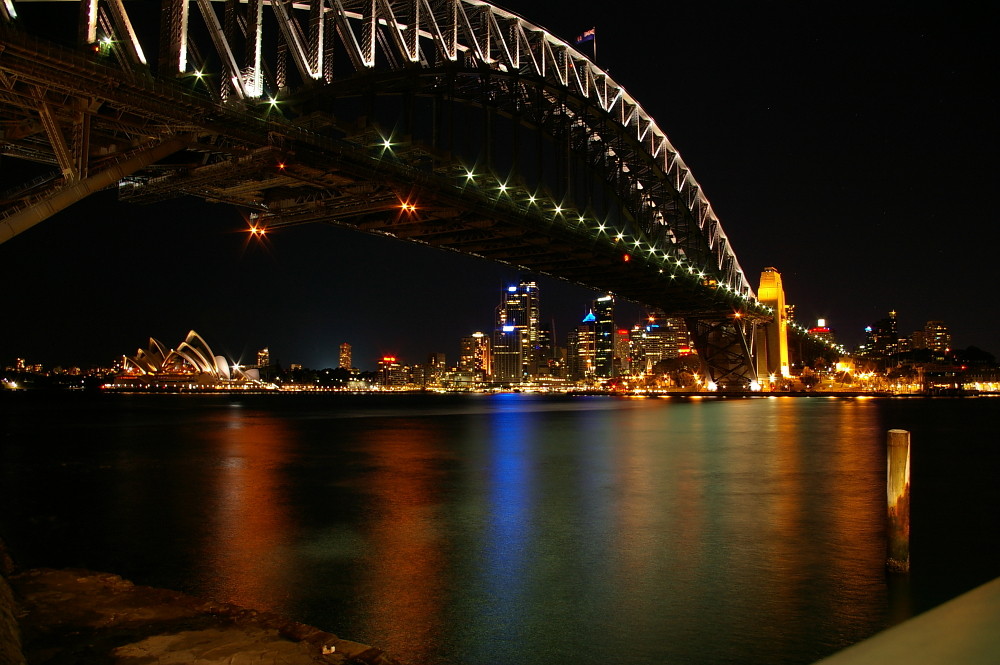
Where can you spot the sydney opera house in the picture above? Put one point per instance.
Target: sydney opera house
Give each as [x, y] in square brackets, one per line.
[191, 366]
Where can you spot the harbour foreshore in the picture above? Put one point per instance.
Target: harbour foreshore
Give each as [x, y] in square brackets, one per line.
[79, 616]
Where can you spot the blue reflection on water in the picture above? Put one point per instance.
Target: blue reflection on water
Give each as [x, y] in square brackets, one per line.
[509, 529]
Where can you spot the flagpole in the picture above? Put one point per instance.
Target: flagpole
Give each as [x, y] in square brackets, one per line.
[595, 44]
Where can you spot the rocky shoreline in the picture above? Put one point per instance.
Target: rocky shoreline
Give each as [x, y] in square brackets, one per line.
[80, 617]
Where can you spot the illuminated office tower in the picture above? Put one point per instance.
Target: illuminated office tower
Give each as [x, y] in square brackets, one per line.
[581, 349]
[515, 339]
[623, 352]
[475, 355]
[264, 358]
[604, 336]
[542, 362]
[345, 356]
[390, 373]
[506, 354]
[772, 340]
[437, 365]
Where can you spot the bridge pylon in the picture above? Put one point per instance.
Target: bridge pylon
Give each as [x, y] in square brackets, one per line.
[772, 338]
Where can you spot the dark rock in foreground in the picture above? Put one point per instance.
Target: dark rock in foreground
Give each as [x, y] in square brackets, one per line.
[76, 617]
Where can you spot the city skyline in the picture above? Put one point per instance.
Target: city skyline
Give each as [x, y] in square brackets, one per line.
[848, 148]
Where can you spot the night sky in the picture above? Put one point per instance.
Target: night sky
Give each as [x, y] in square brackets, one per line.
[849, 145]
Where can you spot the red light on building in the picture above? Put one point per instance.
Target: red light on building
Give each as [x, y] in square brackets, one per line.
[627, 258]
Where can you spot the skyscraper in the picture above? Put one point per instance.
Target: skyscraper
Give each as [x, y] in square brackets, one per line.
[623, 352]
[475, 355]
[604, 336]
[516, 339]
[581, 349]
[437, 365]
[885, 336]
[345, 356]
[390, 373]
[264, 358]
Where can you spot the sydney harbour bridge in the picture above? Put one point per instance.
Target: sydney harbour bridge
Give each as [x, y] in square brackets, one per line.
[453, 123]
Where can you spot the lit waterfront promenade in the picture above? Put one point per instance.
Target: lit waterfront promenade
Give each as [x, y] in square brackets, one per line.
[963, 630]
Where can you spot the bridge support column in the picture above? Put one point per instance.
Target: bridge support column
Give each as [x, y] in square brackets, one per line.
[724, 345]
[67, 195]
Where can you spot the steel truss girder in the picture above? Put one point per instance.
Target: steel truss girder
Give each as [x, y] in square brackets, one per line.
[724, 345]
[18, 220]
[483, 51]
[659, 216]
[478, 37]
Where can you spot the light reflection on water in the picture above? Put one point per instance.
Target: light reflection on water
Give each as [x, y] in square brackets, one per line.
[248, 519]
[481, 530]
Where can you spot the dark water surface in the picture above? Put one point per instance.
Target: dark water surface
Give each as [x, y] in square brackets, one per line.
[514, 529]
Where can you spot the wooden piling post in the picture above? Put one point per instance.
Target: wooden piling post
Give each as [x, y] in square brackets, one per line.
[898, 497]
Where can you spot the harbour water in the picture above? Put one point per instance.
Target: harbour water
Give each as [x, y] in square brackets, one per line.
[480, 530]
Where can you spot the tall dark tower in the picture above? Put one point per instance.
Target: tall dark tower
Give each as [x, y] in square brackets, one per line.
[604, 336]
[886, 336]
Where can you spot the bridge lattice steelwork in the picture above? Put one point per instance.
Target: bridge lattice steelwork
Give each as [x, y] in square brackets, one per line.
[453, 123]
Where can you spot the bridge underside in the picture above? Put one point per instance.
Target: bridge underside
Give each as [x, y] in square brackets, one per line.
[568, 209]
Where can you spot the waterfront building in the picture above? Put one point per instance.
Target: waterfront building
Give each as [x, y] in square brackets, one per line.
[531, 340]
[604, 336]
[883, 337]
[822, 331]
[936, 337]
[660, 338]
[542, 353]
[515, 345]
[475, 356]
[192, 365]
[345, 356]
[581, 350]
[436, 367]
[391, 374]
[506, 355]
[623, 352]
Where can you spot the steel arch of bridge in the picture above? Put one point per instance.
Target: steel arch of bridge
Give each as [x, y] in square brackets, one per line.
[292, 166]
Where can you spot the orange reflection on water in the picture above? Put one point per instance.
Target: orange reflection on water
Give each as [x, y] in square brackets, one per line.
[405, 579]
[247, 547]
[858, 514]
[834, 543]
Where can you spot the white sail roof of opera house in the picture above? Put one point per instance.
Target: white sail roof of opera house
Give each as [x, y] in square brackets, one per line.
[192, 356]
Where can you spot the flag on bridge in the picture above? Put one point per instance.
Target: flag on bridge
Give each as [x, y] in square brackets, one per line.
[588, 36]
